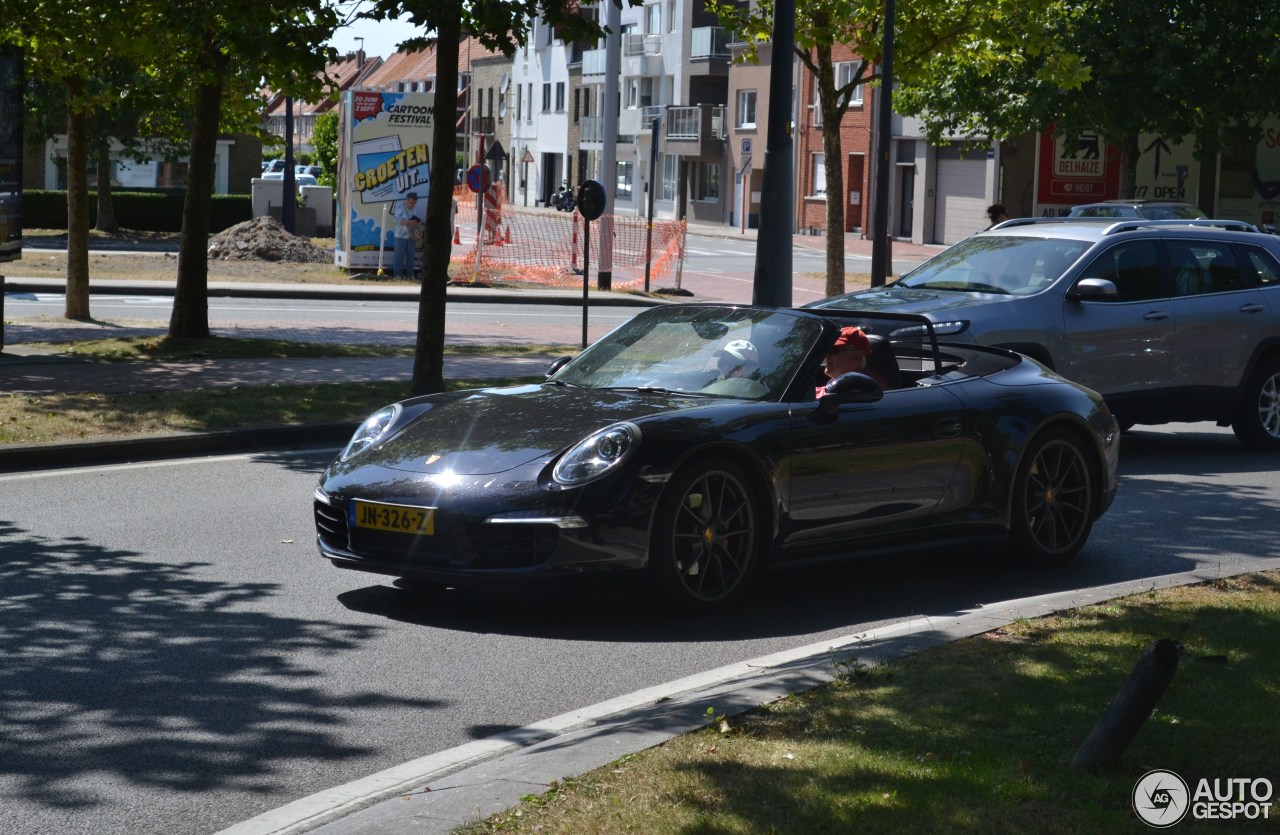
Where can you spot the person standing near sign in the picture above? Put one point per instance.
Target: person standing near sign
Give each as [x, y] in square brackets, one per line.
[407, 224]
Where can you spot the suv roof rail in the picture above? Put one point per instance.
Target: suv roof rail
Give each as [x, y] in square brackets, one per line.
[1028, 221]
[1145, 223]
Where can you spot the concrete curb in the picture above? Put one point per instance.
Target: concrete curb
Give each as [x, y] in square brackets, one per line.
[176, 445]
[330, 292]
[441, 791]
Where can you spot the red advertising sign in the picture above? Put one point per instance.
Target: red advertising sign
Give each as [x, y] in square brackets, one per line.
[1076, 169]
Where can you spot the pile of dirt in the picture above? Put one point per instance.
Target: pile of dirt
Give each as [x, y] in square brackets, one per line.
[264, 239]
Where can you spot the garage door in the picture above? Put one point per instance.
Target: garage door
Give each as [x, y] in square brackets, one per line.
[962, 197]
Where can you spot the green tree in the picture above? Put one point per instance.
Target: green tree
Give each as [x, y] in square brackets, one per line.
[54, 35]
[229, 48]
[1172, 67]
[325, 138]
[924, 30]
[499, 25]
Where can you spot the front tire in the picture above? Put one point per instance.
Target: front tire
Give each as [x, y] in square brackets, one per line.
[709, 536]
[1257, 422]
[1053, 500]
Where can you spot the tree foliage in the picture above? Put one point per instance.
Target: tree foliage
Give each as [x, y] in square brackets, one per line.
[325, 137]
[926, 33]
[1171, 67]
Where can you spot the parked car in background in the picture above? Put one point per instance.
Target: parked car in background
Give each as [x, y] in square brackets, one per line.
[309, 170]
[275, 166]
[1151, 209]
[690, 444]
[1168, 320]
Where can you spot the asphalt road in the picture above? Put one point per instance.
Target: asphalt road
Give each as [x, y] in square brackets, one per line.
[177, 658]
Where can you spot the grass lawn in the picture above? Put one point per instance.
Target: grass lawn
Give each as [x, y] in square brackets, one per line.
[975, 736]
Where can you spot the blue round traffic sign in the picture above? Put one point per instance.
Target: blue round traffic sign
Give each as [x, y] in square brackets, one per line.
[478, 178]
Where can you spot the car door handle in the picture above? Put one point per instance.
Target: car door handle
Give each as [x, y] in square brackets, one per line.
[1252, 307]
[1155, 316]
[947, 427]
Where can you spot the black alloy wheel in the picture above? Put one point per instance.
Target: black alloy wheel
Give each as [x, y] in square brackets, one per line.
[1053, 500]
[1257, 423]
[707, 538]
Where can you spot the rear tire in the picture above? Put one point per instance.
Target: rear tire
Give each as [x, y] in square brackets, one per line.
[1257, 422]
[709, 536]
[1053, 500]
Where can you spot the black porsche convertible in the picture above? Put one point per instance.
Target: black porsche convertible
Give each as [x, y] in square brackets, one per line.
[702, 443]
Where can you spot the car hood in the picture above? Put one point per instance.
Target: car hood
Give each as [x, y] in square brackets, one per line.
[908, 300]
[494, 430]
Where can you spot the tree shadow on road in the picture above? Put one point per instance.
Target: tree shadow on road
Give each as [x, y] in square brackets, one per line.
[152, 673]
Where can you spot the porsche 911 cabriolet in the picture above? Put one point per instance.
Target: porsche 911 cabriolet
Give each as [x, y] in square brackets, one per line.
[702, 443]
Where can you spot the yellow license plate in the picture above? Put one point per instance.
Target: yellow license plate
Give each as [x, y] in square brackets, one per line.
[393, 517]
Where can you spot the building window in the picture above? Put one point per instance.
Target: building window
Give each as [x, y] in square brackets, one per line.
[546, 97]
[819, 175]
[528, 113]
[671, 16]
[653, 19]
[559, 96]
[626, 173]
[519, 101]
[843, 75]
[746, 108]
[670, 164]
[707, 184]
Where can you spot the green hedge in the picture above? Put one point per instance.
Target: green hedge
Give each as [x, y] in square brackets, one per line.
[141, 211]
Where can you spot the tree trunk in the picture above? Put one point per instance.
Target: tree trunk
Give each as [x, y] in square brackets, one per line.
[428, 356]
[106, 205]
[190, 319]
[1129, 153]
[77, 305]
[833, 153]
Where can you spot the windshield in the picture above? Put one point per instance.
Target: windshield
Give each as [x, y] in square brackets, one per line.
[1004, 264]
[709, 351]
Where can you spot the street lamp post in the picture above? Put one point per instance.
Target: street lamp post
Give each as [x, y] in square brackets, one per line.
[884, 131]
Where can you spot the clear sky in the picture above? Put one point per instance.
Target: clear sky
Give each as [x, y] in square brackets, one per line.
[380, 38]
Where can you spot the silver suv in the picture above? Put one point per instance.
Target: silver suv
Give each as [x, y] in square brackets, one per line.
[1168, 320]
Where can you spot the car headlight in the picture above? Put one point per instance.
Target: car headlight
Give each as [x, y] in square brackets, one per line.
[374, 427]
[597, 454]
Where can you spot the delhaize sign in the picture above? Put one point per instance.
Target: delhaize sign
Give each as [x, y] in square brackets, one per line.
[382, 156]
[1074, 170]
[1084, 169]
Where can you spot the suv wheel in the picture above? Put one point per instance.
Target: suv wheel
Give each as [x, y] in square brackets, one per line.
[1257, 422]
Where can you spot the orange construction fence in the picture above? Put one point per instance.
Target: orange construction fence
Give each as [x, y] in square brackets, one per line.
[545, 246]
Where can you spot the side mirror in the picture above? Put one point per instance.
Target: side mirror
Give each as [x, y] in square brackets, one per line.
[1092, 288]
[557, 364]
[854, 387]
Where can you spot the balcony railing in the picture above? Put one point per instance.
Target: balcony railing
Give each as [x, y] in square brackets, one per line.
[633, 45]
[696, 122]
[592, 129]
[709, 42]
[684, 122]
[593, 62]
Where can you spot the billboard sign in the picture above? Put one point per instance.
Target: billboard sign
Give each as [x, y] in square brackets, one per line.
[384, 153]
[11, 115]
[1085, 169]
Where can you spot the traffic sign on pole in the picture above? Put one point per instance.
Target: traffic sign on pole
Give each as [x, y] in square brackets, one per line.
[478, 177]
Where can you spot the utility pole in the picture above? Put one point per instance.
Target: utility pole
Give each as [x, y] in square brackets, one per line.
[609, 141]
[777, 191]
[884, 141]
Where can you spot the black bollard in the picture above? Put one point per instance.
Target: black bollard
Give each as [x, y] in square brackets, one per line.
[1130, 708]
